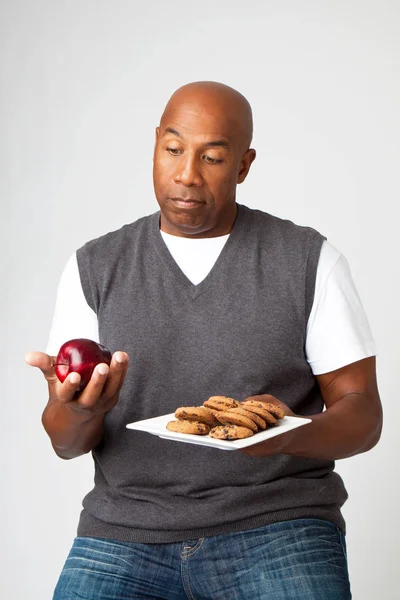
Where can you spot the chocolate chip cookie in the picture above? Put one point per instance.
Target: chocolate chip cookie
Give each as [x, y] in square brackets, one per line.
[230, 418]
[261, 412]
[261, 424]
[193, 427]
[196, 413]
[220, 403]
[272, 408]
[230, 432]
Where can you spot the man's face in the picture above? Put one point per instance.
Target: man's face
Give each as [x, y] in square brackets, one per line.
[198, 161]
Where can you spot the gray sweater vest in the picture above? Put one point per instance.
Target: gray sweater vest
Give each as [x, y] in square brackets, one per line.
[240, 332]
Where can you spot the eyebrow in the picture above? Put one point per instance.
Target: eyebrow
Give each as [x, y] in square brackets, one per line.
[213, 143]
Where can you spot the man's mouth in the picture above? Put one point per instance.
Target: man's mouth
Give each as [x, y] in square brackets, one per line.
[186, 202]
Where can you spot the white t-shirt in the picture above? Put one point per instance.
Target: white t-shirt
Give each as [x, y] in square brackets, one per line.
[337, 333]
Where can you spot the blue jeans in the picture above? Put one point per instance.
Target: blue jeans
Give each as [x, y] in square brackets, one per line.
[303, 559]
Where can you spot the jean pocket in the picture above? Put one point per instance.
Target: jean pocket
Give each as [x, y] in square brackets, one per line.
[95, 554]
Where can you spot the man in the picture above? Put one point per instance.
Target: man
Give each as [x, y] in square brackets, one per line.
[208, 297]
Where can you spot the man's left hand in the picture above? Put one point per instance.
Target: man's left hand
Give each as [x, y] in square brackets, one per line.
[350, 425]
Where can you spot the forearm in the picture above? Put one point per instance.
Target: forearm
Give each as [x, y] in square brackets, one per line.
[72, 433]
[347, 428]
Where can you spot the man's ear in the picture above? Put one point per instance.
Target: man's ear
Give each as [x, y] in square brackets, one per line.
[245, 164]
[156, 140]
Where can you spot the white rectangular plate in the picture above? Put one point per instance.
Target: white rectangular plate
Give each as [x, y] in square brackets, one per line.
[157, 426]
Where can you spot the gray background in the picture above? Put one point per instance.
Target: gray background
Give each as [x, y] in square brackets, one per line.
[82, 87]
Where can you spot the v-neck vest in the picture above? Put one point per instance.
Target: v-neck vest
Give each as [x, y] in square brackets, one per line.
[195, 257]
[239, 332]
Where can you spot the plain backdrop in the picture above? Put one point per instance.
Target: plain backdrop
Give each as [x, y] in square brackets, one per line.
[82, 85]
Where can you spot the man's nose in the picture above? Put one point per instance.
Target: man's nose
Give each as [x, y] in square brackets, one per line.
[188, 172]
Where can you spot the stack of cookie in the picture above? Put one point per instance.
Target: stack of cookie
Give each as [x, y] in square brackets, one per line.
[225, 418]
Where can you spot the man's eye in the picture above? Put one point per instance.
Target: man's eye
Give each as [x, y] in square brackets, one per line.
[174, 151]
[211, 161]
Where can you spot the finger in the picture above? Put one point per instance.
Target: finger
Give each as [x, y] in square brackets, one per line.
[118, 368]
[90, 397]
[38, 359]
[263, 398]
[109, 394]
[69, 388]
[44, 362]
[268, 448]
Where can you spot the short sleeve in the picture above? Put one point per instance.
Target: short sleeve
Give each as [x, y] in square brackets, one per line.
[338, 332]
[73, 317]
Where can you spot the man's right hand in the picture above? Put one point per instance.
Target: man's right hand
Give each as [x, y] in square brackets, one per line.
[73, 420]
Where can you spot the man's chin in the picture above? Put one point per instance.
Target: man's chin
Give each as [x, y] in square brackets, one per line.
[203, 221]
[183, 227]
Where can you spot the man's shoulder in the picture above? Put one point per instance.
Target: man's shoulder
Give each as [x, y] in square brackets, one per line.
[281, 226]
[120, 239]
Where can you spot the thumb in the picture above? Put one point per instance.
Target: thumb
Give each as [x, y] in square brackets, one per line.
[44, 362]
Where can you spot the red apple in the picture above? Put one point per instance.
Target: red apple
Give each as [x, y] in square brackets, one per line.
[80, 356]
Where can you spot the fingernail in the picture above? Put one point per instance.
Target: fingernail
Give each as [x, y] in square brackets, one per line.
[74, 378]
[102, 369]
[119, 357]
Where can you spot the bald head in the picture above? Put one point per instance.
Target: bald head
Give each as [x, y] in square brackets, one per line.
[219, 101]
[201, 154]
